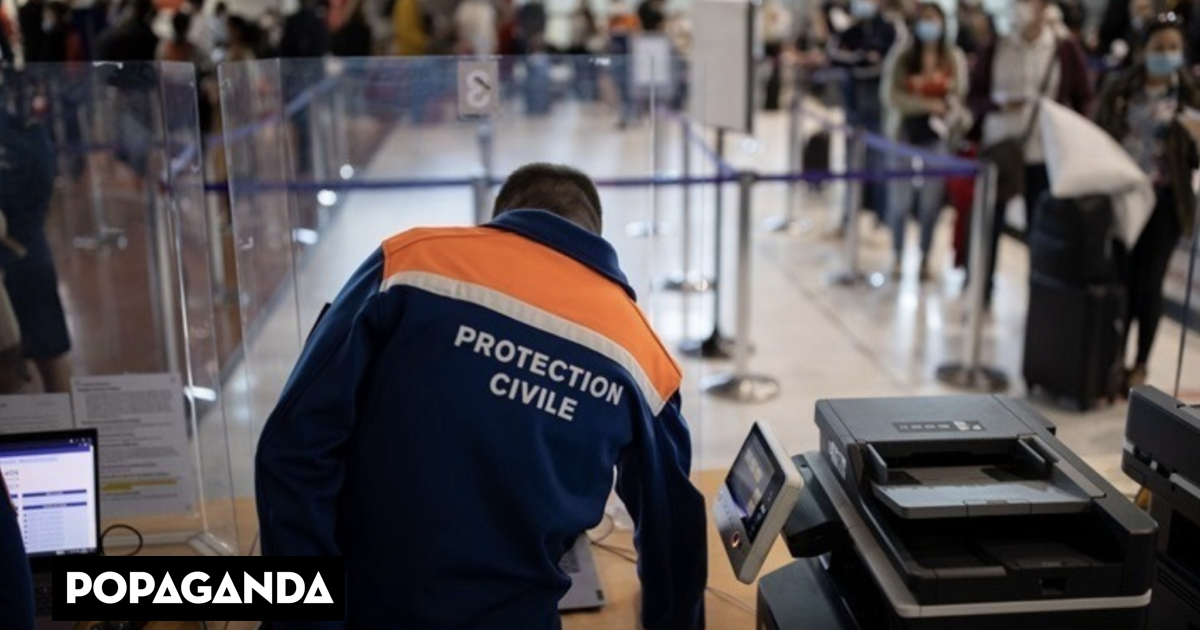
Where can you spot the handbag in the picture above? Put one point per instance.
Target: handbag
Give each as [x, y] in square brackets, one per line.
[1008, 155]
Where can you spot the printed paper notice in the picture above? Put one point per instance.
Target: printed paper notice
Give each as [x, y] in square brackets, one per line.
[143, 442]
[31, 413]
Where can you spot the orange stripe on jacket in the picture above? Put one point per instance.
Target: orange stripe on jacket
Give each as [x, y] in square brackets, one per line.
[542, 277]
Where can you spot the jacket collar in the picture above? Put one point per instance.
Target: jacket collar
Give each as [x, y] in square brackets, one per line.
[567, 238]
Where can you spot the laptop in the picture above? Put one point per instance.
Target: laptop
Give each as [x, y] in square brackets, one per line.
[53, 481]
[580, 565]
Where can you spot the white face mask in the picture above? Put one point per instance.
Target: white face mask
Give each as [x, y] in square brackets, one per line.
[1023, 15]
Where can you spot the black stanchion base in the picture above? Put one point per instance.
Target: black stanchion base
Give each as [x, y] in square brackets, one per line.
[106, 238]
[715, 346]
[751, 388]
[687, 283]
[977, 378]
[856, 279]
[789, 226]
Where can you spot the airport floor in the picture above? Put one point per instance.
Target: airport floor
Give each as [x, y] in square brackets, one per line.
[817, 339]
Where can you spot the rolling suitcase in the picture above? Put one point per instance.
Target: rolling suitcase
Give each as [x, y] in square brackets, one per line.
[1073, 240]
[1073, 340]
[1075, 331]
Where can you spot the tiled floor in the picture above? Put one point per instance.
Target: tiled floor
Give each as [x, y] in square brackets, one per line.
[818, 340]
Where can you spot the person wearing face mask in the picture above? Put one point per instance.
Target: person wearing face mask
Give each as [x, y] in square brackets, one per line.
[860, 50]
[1007, 81]
[923, 90]
[1139, 109]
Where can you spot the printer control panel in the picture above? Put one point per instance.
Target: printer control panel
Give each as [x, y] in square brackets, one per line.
[753, 504]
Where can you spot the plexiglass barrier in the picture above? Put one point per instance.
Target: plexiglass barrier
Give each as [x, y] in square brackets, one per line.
[108, 316]
[1182, 293]
[326, 159]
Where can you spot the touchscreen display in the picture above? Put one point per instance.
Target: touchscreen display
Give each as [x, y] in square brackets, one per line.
[754, 481]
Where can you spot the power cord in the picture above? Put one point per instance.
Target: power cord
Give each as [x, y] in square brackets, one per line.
[140, 540]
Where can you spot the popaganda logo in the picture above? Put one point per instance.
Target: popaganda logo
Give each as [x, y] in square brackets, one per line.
[194, 588]
[310, 588]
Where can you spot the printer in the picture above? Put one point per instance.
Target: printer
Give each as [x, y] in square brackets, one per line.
[955, 513]
[1162, 453]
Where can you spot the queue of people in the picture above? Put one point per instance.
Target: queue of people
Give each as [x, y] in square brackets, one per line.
[963, 87]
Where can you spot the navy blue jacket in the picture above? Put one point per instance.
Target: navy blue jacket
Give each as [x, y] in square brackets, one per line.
[453, 424]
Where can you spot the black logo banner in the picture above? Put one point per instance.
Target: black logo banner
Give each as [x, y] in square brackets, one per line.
[193, 588]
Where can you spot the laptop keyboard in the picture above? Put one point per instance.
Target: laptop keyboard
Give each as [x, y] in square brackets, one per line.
[43, 599]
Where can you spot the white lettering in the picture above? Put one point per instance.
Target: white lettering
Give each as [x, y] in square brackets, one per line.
[466, 334]
[556, 371]
[78, 585]
[199, 595]
[524, 352]
[484, 344]
[317, 593]
[505, 351]
[576, 372]
[140, 585]
[567, 410]
[539, 364]
[250, 588]
[528, 392]
[167, 593]
[599, 387]
[281, 594]
[227, 592]
[615, 392]
[497, 383]
[98, 587]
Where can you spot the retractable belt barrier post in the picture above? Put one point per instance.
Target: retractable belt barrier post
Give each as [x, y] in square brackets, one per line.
[341, 135]
[686, 280]
[971, 373]
[481, 185]
[653, 227]
[716, 345]
[103, 235]
[740, 384]
[856, 159]
[789, 223]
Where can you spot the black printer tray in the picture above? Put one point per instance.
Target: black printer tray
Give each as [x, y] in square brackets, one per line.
[1003, 558]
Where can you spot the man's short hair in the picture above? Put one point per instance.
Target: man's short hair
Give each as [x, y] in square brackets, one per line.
[555, 188]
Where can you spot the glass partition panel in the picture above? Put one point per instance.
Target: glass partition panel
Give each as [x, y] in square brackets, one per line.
[326, 159]
[108, 313]
[1182, 294]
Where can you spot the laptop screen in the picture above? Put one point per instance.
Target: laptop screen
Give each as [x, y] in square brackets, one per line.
[51, 480]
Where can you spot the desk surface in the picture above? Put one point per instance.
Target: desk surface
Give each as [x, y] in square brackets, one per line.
[729, 604]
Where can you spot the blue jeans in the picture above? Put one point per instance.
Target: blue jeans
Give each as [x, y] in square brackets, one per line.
[929, 194]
